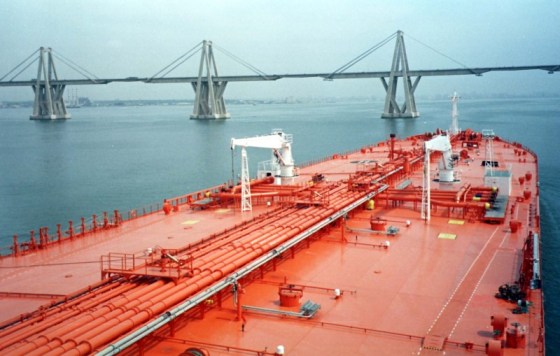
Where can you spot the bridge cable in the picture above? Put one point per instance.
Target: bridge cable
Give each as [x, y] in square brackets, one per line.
[361, 56]
[187, 54]
[24, 68]
[178, 64]
[440, 53]
[243, 63]
[76, 67]
[20, 64]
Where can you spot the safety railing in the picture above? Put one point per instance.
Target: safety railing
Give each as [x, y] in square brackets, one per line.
[43, 238]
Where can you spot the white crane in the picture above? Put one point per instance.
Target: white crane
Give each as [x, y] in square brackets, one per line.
[446, 173]
[281, 165]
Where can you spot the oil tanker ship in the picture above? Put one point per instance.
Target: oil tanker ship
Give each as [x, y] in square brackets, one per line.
[426, 245]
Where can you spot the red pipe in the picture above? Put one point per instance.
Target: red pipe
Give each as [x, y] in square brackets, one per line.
[235, 261]
[33, 328]
[265, 225]
[443, 203]
[238, 195]
[462, 192]
[266, 180]
[33, 320]
[234, 235]
[229, 261]
[72, 327]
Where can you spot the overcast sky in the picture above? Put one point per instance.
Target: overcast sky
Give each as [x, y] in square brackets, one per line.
[114, 39]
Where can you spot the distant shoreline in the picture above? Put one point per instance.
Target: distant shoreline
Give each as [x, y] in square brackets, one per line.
[86, 102]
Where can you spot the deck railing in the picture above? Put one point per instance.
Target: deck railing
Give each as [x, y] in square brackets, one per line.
[43, 238]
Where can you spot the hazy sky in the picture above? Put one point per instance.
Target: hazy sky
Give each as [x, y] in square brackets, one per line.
[138, 38]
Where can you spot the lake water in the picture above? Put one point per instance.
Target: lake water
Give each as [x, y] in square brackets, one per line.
[108, 158]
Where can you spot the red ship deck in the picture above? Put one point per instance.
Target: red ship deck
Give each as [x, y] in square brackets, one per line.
[426, 289]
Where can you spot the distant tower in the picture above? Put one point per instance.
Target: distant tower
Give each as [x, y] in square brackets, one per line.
[49, 102]
[400, 69]
[209, 101]
[454, 129]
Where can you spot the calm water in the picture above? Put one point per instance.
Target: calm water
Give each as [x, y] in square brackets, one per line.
[128, 157]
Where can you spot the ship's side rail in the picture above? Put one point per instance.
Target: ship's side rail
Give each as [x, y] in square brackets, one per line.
[45, 238]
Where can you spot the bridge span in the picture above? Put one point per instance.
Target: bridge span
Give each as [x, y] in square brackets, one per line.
[209, 87]
[478, 71]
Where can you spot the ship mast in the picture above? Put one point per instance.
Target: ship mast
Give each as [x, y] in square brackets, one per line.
[454, 129]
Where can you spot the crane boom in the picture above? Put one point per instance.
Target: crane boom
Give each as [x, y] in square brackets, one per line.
[272, 141]
[443, 145]
[438, 143]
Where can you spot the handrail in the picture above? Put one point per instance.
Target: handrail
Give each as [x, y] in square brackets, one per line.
[96, 223]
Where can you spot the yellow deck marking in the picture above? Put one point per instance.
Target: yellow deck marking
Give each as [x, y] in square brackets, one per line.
[456, 222]
[189, 222]
[444, 235]
[223, 211]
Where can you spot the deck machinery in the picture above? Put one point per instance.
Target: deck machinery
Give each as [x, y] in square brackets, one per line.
[281, 166]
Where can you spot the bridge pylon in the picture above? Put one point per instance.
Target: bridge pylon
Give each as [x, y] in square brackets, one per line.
[209, 100]
[399, 68]
[49, 101]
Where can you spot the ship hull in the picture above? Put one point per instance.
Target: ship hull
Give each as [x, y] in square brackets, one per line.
[341, 261]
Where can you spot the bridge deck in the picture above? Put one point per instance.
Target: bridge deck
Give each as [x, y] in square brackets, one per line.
[271, 77]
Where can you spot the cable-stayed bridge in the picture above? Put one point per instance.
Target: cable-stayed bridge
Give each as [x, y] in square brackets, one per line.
[209, 86]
